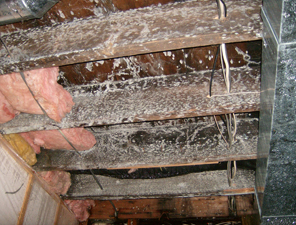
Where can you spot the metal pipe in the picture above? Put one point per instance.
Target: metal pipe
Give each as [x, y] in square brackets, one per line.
[12, 11]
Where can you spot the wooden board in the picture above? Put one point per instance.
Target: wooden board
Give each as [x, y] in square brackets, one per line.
[28, 199]
[191, 185]
[41, 207]
[14, 181]
[151, 98]
[159, 63]
[246, 205]
[67, 10]
[151, 29]
[65, 217]
[251, 220]
[152, 144]
[214, 206]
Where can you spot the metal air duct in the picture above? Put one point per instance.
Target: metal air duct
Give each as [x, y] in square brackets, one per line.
[12, 11]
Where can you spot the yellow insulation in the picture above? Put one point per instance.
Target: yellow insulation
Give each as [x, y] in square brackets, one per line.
[22, 148]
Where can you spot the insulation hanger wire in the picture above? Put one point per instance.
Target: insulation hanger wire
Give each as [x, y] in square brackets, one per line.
[64, 136]
[5, 46]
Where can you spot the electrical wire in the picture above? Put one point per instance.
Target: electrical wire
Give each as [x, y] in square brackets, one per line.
[230, 118]
[225, 66]
[222, 9]
[227, 145]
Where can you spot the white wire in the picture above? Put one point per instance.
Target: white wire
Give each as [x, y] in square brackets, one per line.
[231, 133]
[234, 126]
[222, 9]
[221, 132]
[225, 66]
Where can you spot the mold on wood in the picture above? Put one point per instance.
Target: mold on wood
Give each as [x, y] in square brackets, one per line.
[157, 144]
[160, 63]
[191, 185]
[151, 98]
[145, 30]
[67, 10]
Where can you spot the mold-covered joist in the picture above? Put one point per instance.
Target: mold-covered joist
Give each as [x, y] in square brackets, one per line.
[151, 98]
[195, 184]
[157, 144]
[151, 29]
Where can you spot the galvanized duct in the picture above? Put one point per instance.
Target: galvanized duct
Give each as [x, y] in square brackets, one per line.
[12, 11]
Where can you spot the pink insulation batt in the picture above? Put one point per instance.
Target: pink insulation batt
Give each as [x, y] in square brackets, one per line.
[6, 111]
[52, 139]
[80, 208]
[59, 181]
[56, 101]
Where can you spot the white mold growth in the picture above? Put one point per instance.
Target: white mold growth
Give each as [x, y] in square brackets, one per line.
[89, 66]
[159, 143]
[151, 98]
[61, 14]
[246, 57]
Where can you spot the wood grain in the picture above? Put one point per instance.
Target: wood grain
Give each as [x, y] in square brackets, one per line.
[196, 184]
[246, 205]
[150, 144]
[160, 63]
[25, 201]
[214, 206]
[150, 29]
[151, 98]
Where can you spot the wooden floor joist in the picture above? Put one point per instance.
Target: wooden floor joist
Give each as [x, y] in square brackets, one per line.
[151, 98]
[196, 184]
[150, 144]
[203, 207]
[151, 29]
[215, 206]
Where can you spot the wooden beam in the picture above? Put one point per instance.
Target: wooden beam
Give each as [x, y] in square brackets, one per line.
[213, 206]
[246, 205]
[150, 29]
[190, 185]
[203, 207]
[25, 201]
[133, 222]
[151, 98]
[174, 143]
[251, 219]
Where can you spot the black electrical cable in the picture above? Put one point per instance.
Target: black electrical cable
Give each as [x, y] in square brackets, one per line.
[213, 70]
[69, 142]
